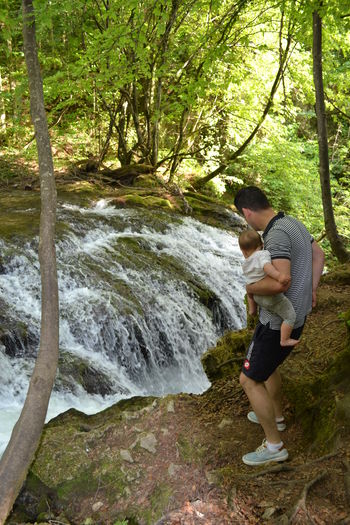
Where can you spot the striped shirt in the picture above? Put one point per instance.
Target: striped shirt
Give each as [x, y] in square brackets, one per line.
[287, 238]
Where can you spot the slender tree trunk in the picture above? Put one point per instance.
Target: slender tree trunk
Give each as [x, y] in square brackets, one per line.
[159, 89]
[26, 434]
[331, 229]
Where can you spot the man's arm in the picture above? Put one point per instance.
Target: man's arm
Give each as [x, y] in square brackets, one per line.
[268, 285]
[271, 271]
[317, 268]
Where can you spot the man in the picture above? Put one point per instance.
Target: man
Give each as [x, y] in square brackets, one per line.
[295, 253]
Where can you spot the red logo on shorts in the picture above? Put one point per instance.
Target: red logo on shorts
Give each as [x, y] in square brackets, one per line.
[246, 364]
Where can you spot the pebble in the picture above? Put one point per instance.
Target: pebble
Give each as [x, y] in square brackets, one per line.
[97, 506]
[225, 422]
[171, 406]
[126, 456]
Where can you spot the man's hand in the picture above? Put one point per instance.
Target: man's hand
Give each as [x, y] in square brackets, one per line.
[314, 300]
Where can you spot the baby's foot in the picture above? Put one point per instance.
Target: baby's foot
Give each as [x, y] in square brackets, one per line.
[289, 342]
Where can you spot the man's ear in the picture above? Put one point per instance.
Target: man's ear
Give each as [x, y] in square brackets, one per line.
[246, 212]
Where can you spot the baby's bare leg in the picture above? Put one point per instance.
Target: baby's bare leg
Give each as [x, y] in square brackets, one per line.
[252, 306]
[286, 330]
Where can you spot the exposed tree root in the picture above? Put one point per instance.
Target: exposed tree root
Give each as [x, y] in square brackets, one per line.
[301, 503]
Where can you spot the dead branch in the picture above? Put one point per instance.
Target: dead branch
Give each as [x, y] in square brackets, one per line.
[347, 481]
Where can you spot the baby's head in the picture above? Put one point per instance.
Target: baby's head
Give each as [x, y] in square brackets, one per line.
[249, 242]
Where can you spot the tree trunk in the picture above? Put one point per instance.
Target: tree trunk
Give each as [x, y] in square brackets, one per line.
[331, 229]
[26, 434]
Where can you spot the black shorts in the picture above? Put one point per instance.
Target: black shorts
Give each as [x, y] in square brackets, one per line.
[265, 353]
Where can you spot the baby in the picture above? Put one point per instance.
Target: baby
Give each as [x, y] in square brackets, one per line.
[256, 266]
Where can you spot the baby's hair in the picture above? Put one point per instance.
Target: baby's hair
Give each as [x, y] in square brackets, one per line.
[250, 240]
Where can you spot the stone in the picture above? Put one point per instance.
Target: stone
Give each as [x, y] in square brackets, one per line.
[269, 512]
[173, 469]
[171, 406]
[97, 506]
[148, 442]
[126, 456]
[225, 422]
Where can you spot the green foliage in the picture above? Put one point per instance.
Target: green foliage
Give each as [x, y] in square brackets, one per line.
[142, 81]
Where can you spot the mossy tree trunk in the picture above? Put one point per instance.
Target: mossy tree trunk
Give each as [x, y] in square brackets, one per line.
[331, 229]
[26, 434]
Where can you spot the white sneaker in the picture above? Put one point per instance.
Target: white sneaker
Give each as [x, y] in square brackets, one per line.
[262, 455]
[254, 419]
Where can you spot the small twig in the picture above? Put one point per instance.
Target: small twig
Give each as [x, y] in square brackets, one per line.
[301, 503]
[347, 482]
[97, 490]
[330, 322]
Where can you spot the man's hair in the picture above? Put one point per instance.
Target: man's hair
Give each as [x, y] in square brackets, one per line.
[252, 198]
[249, 240]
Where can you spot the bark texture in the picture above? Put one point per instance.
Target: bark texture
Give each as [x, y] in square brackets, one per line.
[331, 229]
[25, 437]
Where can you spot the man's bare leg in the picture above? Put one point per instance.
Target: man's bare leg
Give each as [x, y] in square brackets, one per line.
[274, 387]
[263, 407]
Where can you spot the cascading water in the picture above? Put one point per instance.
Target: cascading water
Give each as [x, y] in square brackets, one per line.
[142, 295]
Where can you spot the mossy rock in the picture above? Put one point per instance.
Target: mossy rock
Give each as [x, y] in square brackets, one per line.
[225, 359]
[323, 404]
[338, 275]
[147, 201]
[82, 372]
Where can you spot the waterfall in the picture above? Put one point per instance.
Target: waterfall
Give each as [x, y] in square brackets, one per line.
[142, 295]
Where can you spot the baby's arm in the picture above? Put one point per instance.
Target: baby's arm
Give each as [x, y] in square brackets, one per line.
[271, 271]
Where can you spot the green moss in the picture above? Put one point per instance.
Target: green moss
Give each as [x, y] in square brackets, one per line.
[191, 451]
[225, 359]
[159, 501]
[82, 485]
[148, 201]
[322, 405]
[201, 197]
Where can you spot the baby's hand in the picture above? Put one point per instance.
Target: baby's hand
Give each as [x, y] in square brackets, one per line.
[284, 279]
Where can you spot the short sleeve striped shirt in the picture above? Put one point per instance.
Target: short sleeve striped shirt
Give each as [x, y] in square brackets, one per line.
[287, 238]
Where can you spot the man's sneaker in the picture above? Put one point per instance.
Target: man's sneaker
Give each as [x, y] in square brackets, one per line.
[262, 455]
[254, 419]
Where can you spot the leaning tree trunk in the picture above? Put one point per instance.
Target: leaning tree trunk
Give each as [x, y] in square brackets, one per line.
[26, 434]
[331, 229]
